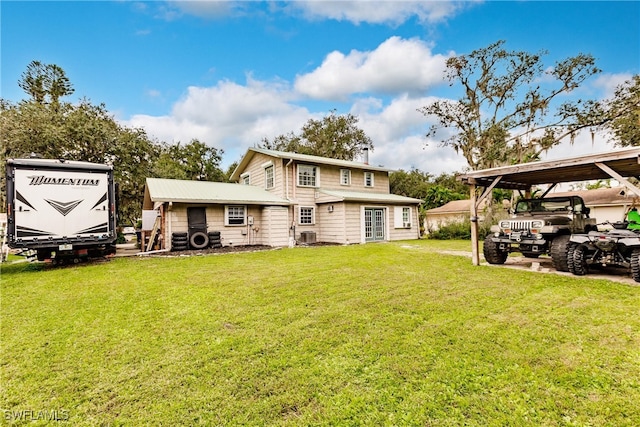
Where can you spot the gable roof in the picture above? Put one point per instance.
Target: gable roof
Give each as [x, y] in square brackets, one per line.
[184, 191]
[305, 158]
[329, 196]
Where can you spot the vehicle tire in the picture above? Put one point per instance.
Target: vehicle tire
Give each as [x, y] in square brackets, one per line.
[570, 251]
[530, 254]
[635, 265]
[179, 247]
[558, 251]
[492, 253]
[199, 240]
[214, 234]
[179, 239]
[580, 267]
[182, 234]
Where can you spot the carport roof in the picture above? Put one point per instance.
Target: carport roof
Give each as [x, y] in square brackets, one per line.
[183, 191]
[584, 168]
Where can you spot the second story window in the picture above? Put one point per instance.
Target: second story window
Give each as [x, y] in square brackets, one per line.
[307, 176]
[244, 178]
[368, 179]
[269, 177]
[345, 177]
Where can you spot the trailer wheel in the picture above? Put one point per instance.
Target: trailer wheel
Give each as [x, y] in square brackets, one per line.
[580, 267]
[199, 240]
[635, 265]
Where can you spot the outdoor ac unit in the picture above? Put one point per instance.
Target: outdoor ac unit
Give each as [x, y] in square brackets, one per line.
[406, 224]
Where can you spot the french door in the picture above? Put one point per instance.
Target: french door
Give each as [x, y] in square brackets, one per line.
[374, 224]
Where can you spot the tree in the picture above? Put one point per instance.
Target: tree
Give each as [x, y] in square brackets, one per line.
[42, 81]
[335, 137]
[193, 161]
[502, 116]
[624, 113]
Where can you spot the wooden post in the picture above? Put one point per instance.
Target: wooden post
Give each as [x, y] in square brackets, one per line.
[475, 253]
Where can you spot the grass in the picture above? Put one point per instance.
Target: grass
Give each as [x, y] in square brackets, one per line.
[380, 334]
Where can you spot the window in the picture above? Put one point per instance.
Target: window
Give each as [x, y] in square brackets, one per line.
[402, 217]
[306, 215]
[244, 178]
[235, 215]
[307, 176]
[345, 177]
[368, 179]
[269, 177]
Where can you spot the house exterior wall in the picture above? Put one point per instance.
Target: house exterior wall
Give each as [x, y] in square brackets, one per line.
[433, 222]
[270, 225]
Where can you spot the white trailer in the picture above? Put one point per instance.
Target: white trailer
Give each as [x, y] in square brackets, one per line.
[61, 209]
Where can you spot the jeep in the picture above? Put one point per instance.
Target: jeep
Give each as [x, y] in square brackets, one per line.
[539, 226]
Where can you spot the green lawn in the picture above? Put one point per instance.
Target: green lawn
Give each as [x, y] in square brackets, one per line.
[379, 334]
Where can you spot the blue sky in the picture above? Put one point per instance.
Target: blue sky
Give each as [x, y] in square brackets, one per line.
[232, 73]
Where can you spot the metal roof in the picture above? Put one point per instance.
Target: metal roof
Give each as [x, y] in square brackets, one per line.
[183, 191]
[304, 158]
[584, 168]
[362, 196]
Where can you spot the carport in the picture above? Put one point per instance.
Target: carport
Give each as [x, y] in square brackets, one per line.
[619, 165]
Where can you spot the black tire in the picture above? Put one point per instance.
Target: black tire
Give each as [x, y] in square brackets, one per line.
[580, 267]
[183, 234]
[216, 245]
[558, 251]
[184, 239]
[492, 253]
[214, 235]
[570, 251]
[199, 240]
[530, 254]
[635, 265]
[178, 247]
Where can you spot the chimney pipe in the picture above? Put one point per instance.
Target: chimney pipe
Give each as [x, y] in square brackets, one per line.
[365, 152]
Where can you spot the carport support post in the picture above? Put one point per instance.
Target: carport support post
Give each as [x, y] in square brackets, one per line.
[475, 253]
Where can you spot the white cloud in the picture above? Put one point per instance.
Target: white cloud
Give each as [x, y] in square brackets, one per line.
[609, 82]
[379, 12]
[227, 116]
[396, 66]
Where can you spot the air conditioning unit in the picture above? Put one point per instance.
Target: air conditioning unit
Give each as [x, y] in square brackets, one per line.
[406, 224]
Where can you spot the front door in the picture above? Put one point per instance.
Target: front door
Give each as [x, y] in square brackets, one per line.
[374, 224]
[197, 220]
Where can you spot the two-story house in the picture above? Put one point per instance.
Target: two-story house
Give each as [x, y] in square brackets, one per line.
[281, 198]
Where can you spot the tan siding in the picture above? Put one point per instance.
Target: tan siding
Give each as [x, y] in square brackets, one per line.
[353, 223]
[275, 227]
[332, 224]
[404, 233]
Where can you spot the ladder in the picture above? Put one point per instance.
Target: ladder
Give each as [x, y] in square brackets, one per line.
[154, 233]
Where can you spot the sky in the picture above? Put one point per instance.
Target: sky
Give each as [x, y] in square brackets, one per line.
[233, 73]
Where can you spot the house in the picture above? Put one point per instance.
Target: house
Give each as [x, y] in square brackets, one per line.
[606, 204]
[279, 198]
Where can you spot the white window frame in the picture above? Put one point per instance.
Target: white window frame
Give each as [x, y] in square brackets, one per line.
[245, 178]
[312, 212]
[315, 175]
[231, 209]
[402, 217]
[370, 175]
[266, 177]
[345, 176]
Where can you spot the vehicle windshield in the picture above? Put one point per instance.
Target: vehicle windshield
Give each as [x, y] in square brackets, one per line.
[543, 205]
